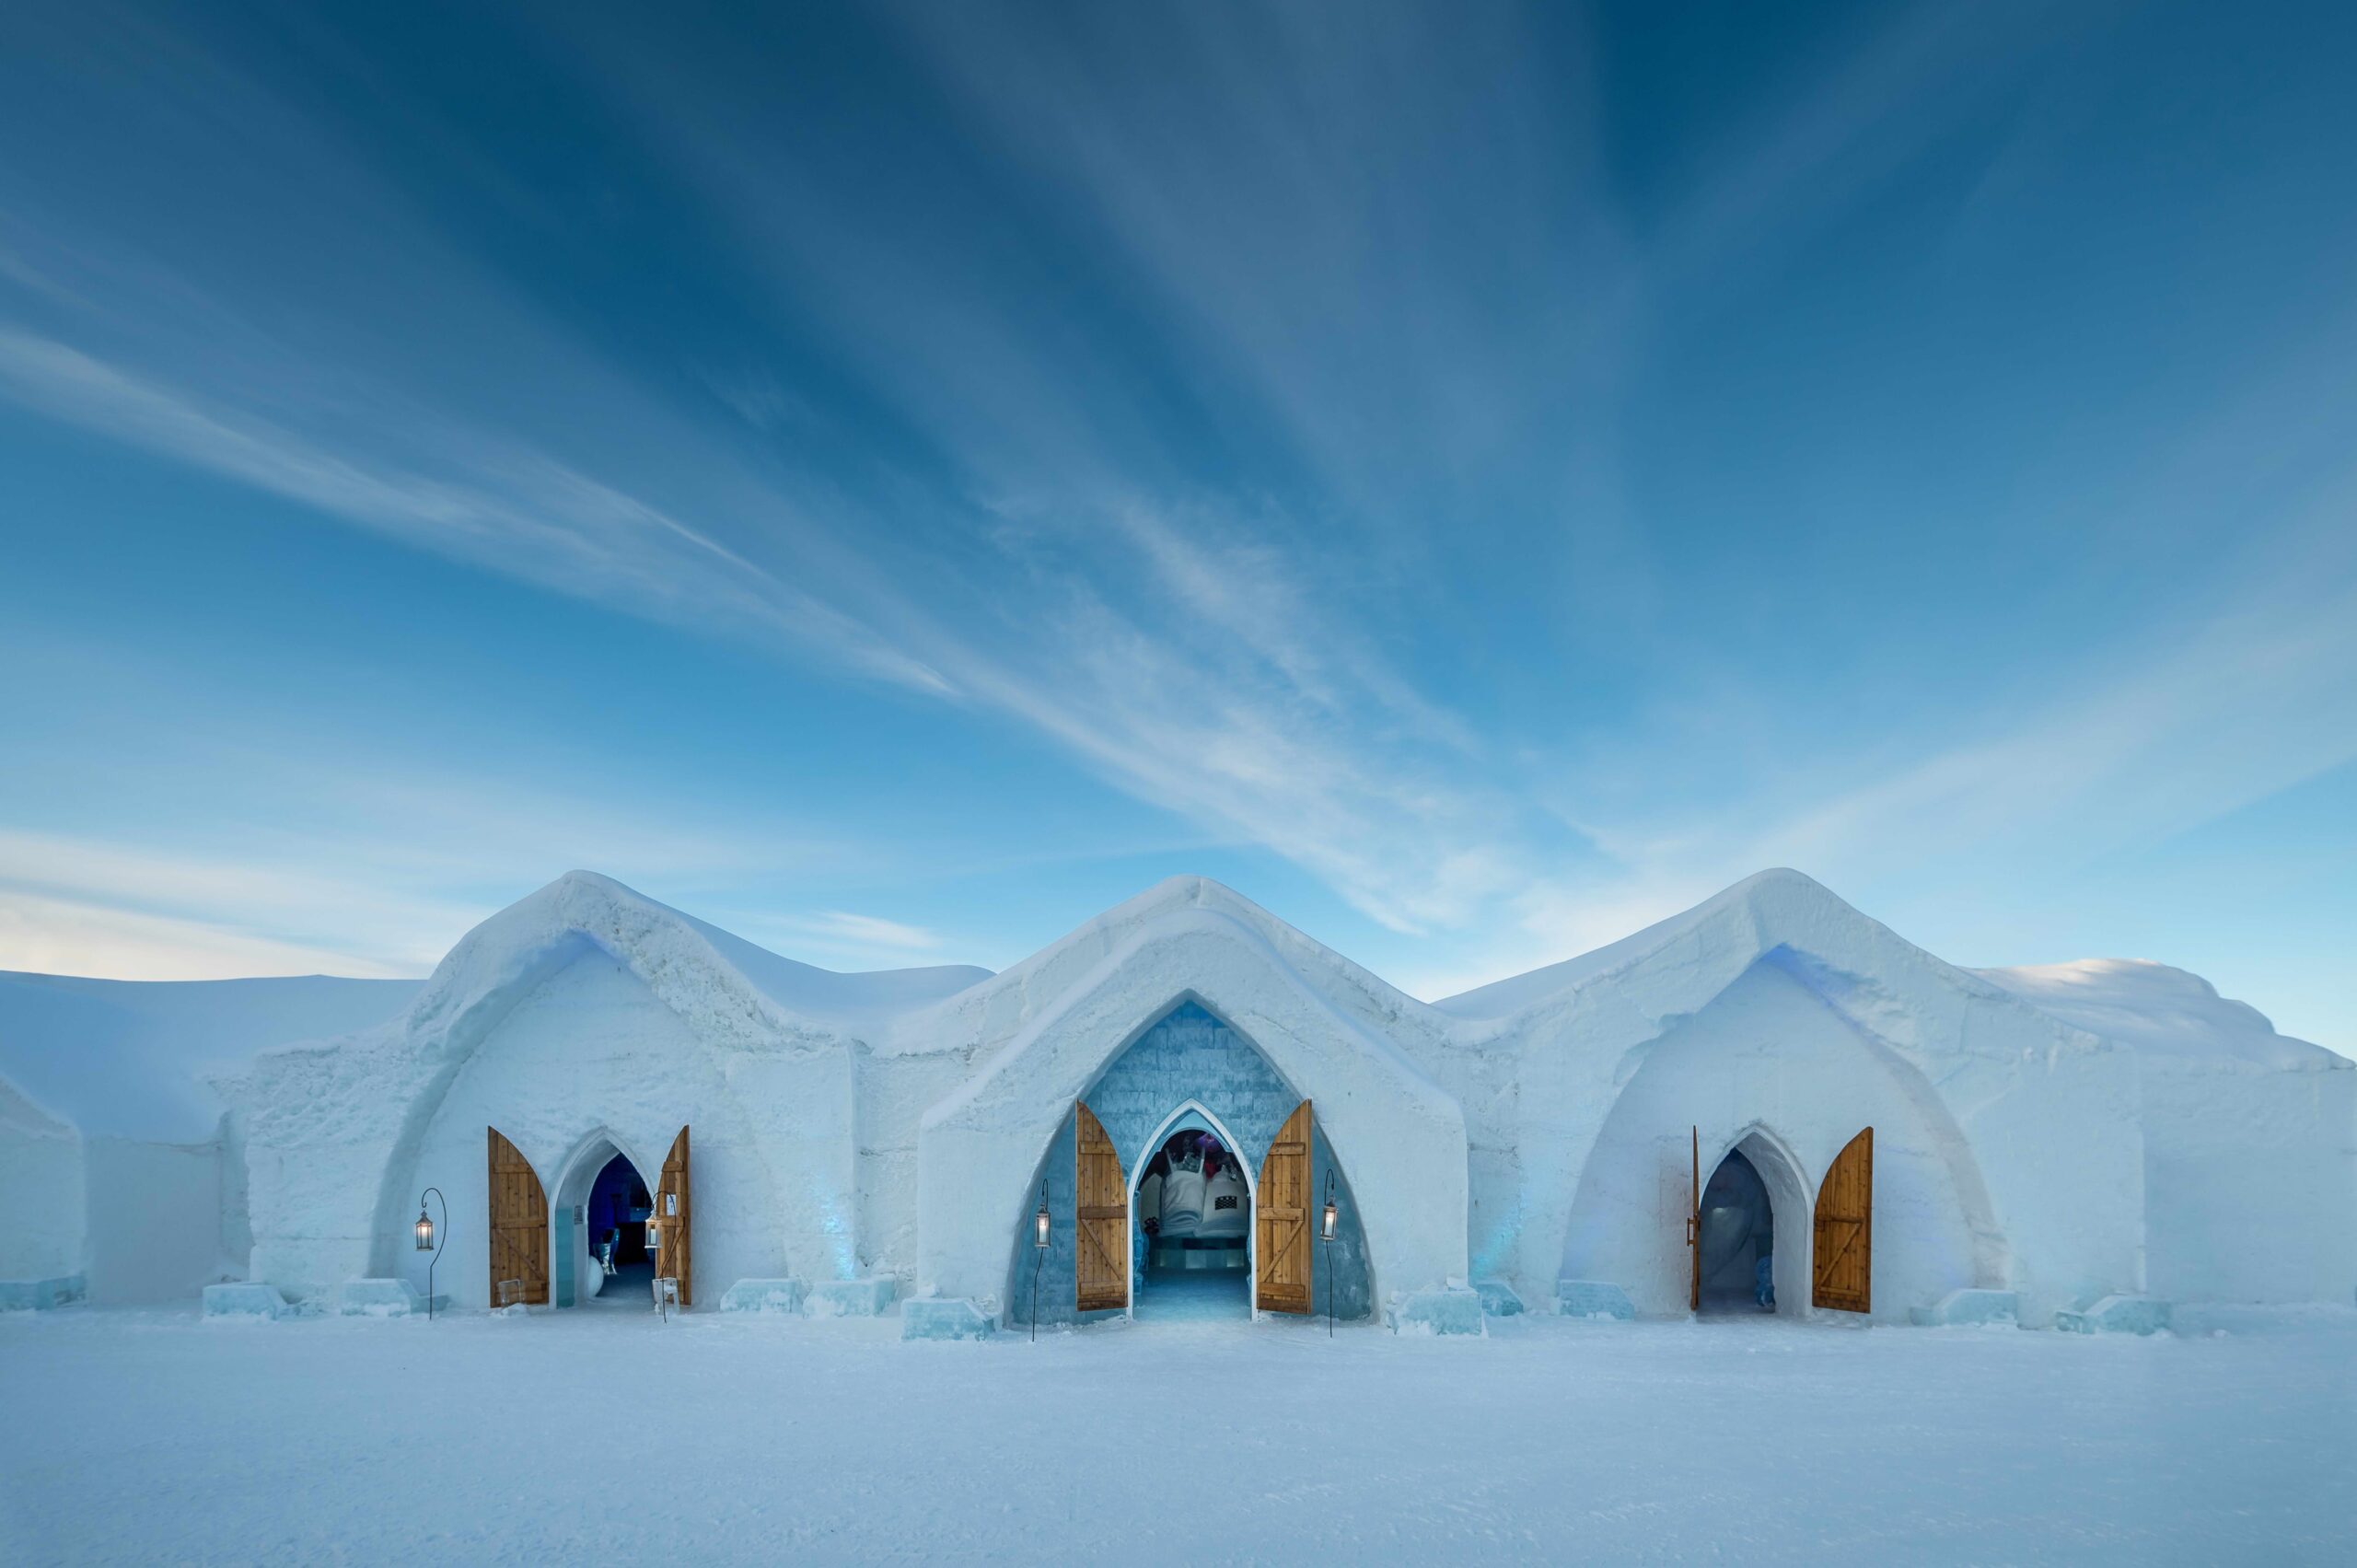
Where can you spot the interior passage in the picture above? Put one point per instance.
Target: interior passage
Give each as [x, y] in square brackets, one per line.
[1192, 1243]
[622, 1270]
[1739, 1241]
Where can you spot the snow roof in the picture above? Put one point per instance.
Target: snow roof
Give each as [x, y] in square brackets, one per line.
[2159, 1010]
[132, 1058]
[827, 993]
[1524, 992]
[2150, 1007]
[1026, 987]
[698, 968]
[126, 1058]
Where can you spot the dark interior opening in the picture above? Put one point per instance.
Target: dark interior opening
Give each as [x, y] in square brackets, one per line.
[622, 1270]
[1739, 1241]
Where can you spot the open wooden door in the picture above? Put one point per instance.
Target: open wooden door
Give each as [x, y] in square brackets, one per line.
[1101, 1269]
[1845, 1230]
[670, 1235]
[519, 1226]
[1694, 1227]
[1281, 1219]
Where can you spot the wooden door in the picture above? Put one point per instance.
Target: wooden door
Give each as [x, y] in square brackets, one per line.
[1694, 1225]
[1281, 1219]
[669, 1232]
[1845, 1229]
[519, 1224]
[1101, 1269]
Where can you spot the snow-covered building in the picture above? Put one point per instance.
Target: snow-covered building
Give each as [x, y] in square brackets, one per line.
[1768, 1102]
[119, 1158]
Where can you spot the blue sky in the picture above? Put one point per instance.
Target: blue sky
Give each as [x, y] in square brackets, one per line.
[897, 481]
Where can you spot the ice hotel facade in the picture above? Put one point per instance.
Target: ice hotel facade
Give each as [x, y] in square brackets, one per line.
[1768, 1103]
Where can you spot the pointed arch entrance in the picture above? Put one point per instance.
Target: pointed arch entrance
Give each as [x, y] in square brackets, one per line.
[604, 1200]
[1759, 1231]
[1191, 1079]
[1750, 1207]
[1196, 1117]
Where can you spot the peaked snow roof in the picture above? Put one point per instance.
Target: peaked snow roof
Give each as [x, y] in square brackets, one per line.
[719, 980]
[135, 1058]
[127, 1058]
[1765, 895]
[827, 993]
[2149, 1007]
[998, 1006]
[2160, 1010]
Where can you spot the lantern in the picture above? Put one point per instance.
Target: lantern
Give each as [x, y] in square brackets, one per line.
[425, 1242]
[1326, 1234]
[1038, 1255]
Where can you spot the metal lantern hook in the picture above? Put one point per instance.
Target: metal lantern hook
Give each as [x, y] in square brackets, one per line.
[430, 1238]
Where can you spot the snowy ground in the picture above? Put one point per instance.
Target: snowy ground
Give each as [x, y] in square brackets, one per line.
[611, 1437]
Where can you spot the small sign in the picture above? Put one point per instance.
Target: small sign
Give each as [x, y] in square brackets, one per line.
[670, 1205]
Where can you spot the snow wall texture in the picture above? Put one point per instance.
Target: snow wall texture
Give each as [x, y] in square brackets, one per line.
[2251, 1177]
[41, 1171]
[162, 1227]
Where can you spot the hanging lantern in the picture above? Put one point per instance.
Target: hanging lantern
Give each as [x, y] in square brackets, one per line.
[1040, 1227]
[1326, 1227]
[425, 1230]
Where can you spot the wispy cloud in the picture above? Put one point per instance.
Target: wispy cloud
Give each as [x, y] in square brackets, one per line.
[837, 938]
[876, 931]
[2258, 700]
[1251, 731]
[44, 936]
[525, 513]
[363, 868]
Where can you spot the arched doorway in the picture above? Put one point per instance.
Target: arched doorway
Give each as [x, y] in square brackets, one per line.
[620, 1222]
[605, 1201]
[1735, 1267]
[1188, 1077]
[1752, 1232]
[1192, 1205]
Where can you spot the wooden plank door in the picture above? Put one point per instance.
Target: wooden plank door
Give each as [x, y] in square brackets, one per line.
[1101, 1199]
[1845, 1229]
[1281, 1219]
[668, 1231]
[1694, 1226]
[519, 1224]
